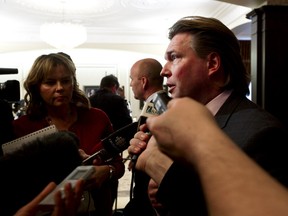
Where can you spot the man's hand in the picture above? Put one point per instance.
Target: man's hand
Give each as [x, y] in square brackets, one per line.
[138, 144]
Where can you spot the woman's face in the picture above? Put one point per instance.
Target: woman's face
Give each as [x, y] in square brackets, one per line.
[57, 88]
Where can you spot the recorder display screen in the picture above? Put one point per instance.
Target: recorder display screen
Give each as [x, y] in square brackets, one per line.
[79, 174]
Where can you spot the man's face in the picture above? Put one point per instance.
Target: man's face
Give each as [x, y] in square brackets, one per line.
[186, 73]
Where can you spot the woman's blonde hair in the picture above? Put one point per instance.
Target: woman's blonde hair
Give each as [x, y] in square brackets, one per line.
[41, 67]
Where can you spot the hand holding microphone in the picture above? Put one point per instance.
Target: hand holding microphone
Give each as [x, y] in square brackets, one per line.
[118, 141]
[137, 145]
[158, 106]
[148, 110]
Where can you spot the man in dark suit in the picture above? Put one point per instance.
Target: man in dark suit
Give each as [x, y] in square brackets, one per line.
[112, 104]
[233, 183]
[204, 63]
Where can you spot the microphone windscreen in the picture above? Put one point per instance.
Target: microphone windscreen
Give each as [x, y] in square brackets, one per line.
[160, 102]
[118, 141]
[147, 110]
[114, 144]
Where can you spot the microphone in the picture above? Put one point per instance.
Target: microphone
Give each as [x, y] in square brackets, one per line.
[148, 110]
[118, 141]
[160, 102]
[158, 106]
[154, 108]
[114, 144]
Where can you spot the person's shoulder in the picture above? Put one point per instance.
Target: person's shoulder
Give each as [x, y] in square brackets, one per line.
[100, 95]
[95, 110]
[117, 97]
[89, 111]
[112, 99]
[257, 110]
[21, 120]
[249, 112]
[238, 102]
[93, 116]
[92, 113]
[27, 119]
[25, 125]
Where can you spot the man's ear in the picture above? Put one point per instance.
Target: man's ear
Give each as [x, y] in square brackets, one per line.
[213, 62]
[215, 70]
[144, 81]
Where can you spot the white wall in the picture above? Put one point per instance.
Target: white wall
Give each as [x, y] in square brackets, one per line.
[91, 64]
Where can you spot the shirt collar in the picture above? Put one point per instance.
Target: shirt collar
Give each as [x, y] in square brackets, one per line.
[152, 96]
[215, 104]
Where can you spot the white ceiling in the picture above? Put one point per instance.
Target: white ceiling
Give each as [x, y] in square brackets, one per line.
[112, 21]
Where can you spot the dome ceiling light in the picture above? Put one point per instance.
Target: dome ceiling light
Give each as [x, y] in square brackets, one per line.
[63, 35]
[63, 32]
[71, 6]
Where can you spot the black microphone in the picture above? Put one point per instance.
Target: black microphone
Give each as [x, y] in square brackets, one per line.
[114, 144]
[119, 140]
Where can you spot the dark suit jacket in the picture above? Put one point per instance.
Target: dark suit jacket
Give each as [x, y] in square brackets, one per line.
[114, 106]
[254, 130]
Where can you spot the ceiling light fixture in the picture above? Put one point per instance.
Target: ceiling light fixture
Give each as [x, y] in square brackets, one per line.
[63, 35]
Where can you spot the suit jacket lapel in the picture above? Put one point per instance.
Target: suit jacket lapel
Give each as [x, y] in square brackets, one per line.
[227, 109]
